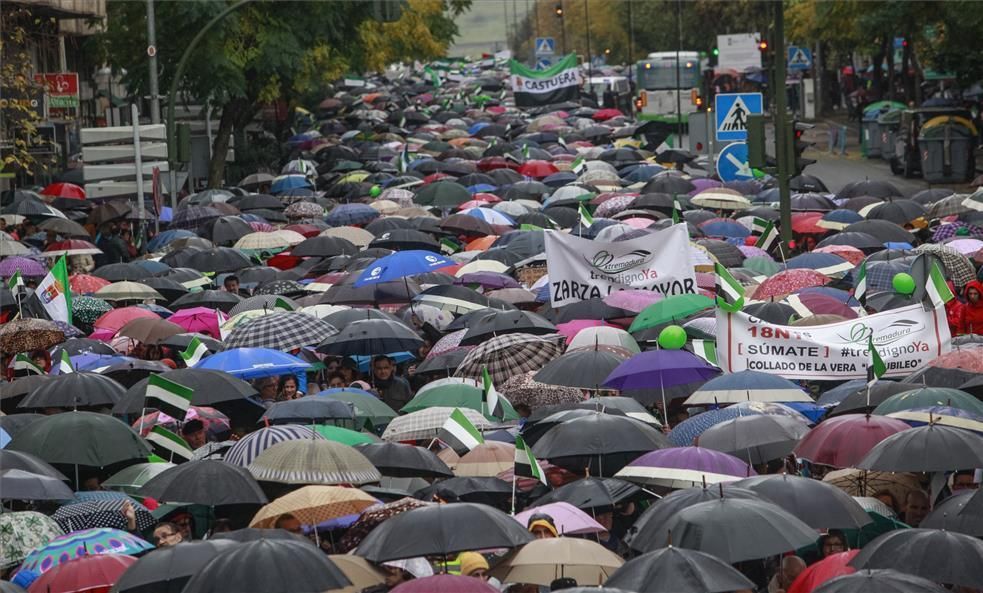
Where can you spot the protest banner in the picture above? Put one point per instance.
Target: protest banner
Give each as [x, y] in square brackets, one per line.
[907, 339]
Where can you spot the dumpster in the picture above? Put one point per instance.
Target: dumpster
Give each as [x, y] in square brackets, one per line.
[946, 145]
[889, 123]
[870, 130]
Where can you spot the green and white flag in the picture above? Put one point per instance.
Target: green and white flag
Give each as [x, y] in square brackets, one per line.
[169, 397]
[561, 141]
[167, 444]
[193, 354]
[877, 368]
[493, 401]
[677, 210]
[65, 364]
[55, 294]
[585, 218]
[860, 284]
[354, 81]
[23, 362]
[449, 246]
[706, 349]
[459, 434]
[578, 165]
[282, 305]
[730, 293]
[769, 234]
[434, 77]
[937, 288]
[15, 283]
[537, 88]
[526, 463]
[525, 152]
[404, 159]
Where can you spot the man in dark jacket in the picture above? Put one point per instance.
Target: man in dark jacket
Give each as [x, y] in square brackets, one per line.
[393, 390]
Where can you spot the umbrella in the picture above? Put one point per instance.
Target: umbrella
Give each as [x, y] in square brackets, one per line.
[253, 363]
[601, 442]
[82, 438]
[747, 386]
[844, 440]
[400, 265]
[370, 337]
[310, 409]
[488, 459]
[210, 388]
[683, 467]
[368, 407]
[436, 530]
[678, 570]
[273, 566]
[85, 573]
[441, 583]
[27, 335]
[361, 573]
[788, 282]
[926, 449]
[818, 504]
[568, 519]
[11, 460]
[149, 330]
[313, 461]
[22, 532]
[425, 424]
[509, 355]
[758, 439]
[206, 482]
[168, 569]
[669, 309]
[939, 556]
[456, 395]
[586, 369]
[280, 331]
[481, 489]
[865, 483]
[249, 447]
[928, 397]
[497, 323]
[130, 479]
[72, 390]
[312, 505]
[590, 493]
[660, 369]
[106, 513]
[211, 299]
[949, 515]
[82, 543]
[830, 567]
[17, 484]
[404, 461]
[874, 581]
[542, 561]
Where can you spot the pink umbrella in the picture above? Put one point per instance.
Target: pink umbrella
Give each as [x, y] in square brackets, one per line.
[966, 246]
[445, 583]
[632, 300]
[789, 281]
[117, 318]
[752, 251]
[569, 520]
[200, 320]
[447, 343]
[572, 328]
[847, 252]
[638, 223]
[208, 416]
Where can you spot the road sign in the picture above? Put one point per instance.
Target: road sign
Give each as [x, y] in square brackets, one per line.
[543, 63]
[799, 58]
[732, 110]
[545, 46]
[732, 163]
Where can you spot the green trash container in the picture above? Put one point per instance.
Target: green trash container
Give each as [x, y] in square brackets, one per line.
[870, 135]
[946, 152]
[889, 124]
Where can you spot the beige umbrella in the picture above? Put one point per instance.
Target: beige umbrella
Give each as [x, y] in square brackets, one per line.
[312, 505]
[720, 198]
[385, 206]
[128, 291]
[359, 571]
[313, 462]
[291, 237]
[856, 482]
[542, 561]
[486, 460]
[262, 241]
[359, 237]
[425, 424]
[481, 265]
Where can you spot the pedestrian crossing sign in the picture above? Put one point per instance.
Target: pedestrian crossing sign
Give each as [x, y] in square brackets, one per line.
[545, 46]
[732, 110]
[799, 58]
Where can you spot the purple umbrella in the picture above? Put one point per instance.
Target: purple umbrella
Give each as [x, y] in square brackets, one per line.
[569, 520]
[752, 251]
[660, 368]
[26, 266]
[702, 183]
[684, 467]
[488, 280]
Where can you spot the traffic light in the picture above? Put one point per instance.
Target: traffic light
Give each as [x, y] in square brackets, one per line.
[716, 51]
[763, 45]
[756, 153]
[558, 9]
[797, 146]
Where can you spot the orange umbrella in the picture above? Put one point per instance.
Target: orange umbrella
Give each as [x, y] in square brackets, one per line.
[481, 244]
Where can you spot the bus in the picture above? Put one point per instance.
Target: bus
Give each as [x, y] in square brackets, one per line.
[659, 91]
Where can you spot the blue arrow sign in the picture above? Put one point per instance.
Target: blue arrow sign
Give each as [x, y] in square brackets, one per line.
[543, 63]
[545, 46]
[799, 58]
[732, 163]
[732, 110]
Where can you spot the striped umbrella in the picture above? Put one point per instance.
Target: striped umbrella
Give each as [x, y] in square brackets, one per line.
[311, 461]
[510, 355]
[80, 543]
[97, 514]
[249, 447]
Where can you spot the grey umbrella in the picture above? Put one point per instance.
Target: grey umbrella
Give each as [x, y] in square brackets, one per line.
[491, 323]
[928, 448]
[879, 581]
[10, 459]
[735, 530]
[168, 569]
[586, 369]
[75, 390]
[400, 460]
[17, 484]
[819, 504]
[83, 438]
[677, 570]
[310, 409]
[949, 515]
[206, 482]
[939, 556]
[602, 443]
[756, 439]
[371, 337]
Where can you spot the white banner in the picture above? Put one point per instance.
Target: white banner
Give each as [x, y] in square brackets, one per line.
[907, 339]
[582, 269]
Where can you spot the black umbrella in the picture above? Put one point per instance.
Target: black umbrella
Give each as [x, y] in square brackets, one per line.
[270, 566]
[17, 484]
[169, 289]
[400, 460]
[226, 230]
[496, 323]
[12, 393]
[206, 482]
[168, 569]
[590, 493]
[755, 439]
[72, 390]
[371, 337]
[121, 272]
[600, 443]
[442, 530]
[882, 230]
[949, 515]
[27, 462]
[677, 570]
[405, 239]
[383, 293]
[586, 309]
[667, 184]
[929, 448]
[862, 241]
[857, 401]
[324, 247]
[586, 369]
[772, 312]
[877, 189]
[445, 363]
[650, 530]
[443, 194]
[819, 504]
[899, 212]
[212, 299]
[252, 534]
[82, 438]
[102, 514]
[343, 318]
[211, 388]
[381, 226]
[939, 556]
[806, 183]
[258, 202]
[218, 260]
[544, 419]
[465, 224]
[879, 581]
[485, 490]
[310, 409]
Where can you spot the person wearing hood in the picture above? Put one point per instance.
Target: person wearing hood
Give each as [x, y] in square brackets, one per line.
[971, 321]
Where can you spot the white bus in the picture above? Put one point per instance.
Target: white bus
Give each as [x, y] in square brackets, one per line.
[660, 90]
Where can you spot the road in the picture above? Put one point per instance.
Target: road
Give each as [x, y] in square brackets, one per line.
[837, 171]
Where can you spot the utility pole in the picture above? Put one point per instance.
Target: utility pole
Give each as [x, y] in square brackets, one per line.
[679, 99]
[590, 60]
[152, 62]
[784, 141]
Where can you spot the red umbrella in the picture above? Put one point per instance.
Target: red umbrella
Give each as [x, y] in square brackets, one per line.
[445, 583]
[117, 318]
[64, 190]
[84, 283]
[435, 177]
[606, 114]
[830, 567]
[73, 247]
[845, 440]
[967, 358]
[822, 304]
[282, 261]
[804, 223]
[496, 162]
[308, 230]
[789, 281]
[537, 169]
[96, 572]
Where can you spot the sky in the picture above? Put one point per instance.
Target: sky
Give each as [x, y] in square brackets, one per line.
[483, 26]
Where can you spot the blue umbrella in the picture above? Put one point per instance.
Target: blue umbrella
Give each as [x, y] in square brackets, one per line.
[475, 128]
[154, 267]
[724, 228]
[481, 188]
[4, 438]
[643, 173]
[347, 214]
[825, 263]
[811, 411]
[400, 265]
[684, 433]
[253, 363]
[285, 182]
[560, 179]
[840, 219]
[837, 394]
[163, 239]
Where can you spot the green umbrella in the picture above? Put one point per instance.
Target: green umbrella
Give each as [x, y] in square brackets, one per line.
[130, 479]
[80, 438]
[762, 265]
[21, 533]
[858, 538]
[443, 194]
[930, 397]
[86, 309]
[368, 408]
[669, 309]
[345, 436]
[456, 395]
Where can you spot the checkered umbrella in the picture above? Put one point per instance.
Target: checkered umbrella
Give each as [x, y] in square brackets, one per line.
[957, 266]
[192, 217]
[261, 302]
[948, 231]
[280, 331]
[510, 355]
[425, 424]
[96, 514]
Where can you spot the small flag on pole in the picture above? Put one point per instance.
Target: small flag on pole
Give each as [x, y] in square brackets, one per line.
[578, 165]
[860, 284]
[877, 367]
[526, 463]
[15, 283]
[937, 288]
[730, 293]
[193, 354]
[585, 218]
[561, 141]
[168, 444]
[525, 152]
[449, 246]
[759, 226]
[55, 294]
[282, 305]
[493, 402]
[706, 349]
[677, 211]
[459, 434]
[65, 364]
[404, 159]
[768, 235]
[169, 397]
[23, 362]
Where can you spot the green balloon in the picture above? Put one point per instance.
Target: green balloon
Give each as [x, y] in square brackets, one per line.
[672, 338]
[903, 284]
[375, 191]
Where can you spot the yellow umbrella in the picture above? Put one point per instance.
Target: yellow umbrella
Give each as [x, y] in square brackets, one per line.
[312, 505]
[358, 570]
[354, 177]
[542, 561]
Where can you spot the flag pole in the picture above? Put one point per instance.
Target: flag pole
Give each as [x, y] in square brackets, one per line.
[513, 489]
[143, 414]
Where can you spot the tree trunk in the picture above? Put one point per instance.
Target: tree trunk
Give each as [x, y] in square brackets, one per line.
[231, 112]
[890, 70]
[877, 86]
[906, 67]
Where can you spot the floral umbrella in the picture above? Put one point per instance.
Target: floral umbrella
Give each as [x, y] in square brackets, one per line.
[789, 281]
[373, 517]
[22, 532]
[86, 309]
